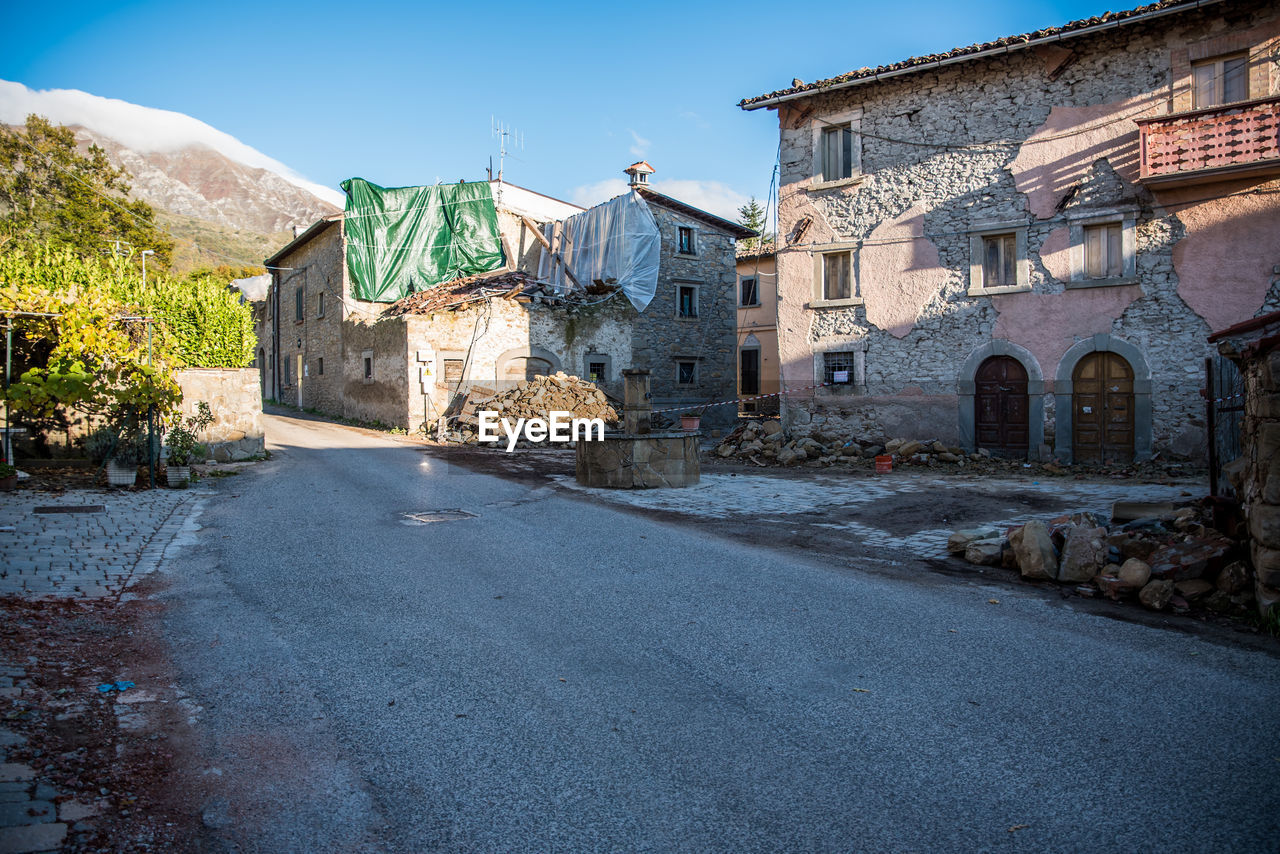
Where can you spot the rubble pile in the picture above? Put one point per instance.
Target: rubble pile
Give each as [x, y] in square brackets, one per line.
[765, 442]
[1171, 560]
[538, 398]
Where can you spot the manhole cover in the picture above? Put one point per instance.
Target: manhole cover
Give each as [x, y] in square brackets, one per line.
[428, 516]
[72, 508]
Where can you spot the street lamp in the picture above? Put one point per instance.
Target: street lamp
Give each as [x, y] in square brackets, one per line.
[145, 253]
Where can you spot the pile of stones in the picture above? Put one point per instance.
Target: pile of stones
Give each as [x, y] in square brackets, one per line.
[765, 443]
[538, 398]
[1173, 561]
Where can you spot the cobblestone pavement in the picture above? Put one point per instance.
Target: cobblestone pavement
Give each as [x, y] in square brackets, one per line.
[71, 555]
[85, 554]
[723, 495]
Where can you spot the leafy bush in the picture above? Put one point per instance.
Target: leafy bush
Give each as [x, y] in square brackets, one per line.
[181, 442]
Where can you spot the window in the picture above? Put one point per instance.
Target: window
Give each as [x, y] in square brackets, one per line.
[837, 282]
[1103, 255]
[453, 373]
[999, 257]
[320, 367]
[686, 301]
[749, 370]
[837, 152]
[1223, 80]
[686, 372]
[320, 305]
[685, 240]
[297, 304]
[597, 372]
[1103, 249]
[839, 368]
[367, 356]
[750, 292]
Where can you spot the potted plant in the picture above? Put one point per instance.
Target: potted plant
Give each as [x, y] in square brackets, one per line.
[182, 447]
[122, 465]
[689, 421]
[8, 478]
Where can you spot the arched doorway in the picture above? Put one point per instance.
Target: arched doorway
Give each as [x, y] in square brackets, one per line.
[1000, 405]
[1102, 409]
[526, 368]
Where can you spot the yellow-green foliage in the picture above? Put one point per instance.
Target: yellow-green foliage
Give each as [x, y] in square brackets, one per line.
[95, 354]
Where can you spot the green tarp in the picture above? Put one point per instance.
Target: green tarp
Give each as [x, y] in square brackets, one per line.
[406, 239]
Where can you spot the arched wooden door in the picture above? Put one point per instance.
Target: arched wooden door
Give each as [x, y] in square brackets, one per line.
[1000, 406]
[1102, 409]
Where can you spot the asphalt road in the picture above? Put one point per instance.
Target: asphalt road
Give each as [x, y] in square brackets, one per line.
[556, 675]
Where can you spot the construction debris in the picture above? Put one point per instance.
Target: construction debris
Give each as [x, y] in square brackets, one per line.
[535, 398]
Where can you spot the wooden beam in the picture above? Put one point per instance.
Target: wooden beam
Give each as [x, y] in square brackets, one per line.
[537, 232]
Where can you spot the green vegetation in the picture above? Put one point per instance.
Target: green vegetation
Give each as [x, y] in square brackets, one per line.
[50, 192]
[751, 215]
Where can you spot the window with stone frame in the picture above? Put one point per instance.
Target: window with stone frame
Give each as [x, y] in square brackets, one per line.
[685, 244]
[837, 275]
[999, 260]
[597, 372]
[367, 357]
[686, 372]
[749, 291]
[686, 301]
[1221, 80]
[839, 367]
[1103, 248]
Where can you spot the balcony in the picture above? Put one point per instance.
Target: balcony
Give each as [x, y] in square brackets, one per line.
[1240, 140]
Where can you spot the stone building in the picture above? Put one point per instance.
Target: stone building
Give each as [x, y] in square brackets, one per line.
[1023, 245]
[404, 363]
[757, 329]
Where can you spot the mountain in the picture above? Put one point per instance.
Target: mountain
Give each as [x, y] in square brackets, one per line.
[223, 201]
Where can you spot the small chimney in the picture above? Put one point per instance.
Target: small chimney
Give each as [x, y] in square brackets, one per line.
[639, 174]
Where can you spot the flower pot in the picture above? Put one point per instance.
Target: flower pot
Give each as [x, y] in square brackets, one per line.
[178, 476]
[9, 484]
[690, 423]
[121, 475]
[884, 464]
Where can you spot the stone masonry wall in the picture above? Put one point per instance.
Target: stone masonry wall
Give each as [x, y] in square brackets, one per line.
[235, 400]
[660, 338]
[945, 153]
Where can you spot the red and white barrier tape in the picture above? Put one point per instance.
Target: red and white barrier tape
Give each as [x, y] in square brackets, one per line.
[742, 399]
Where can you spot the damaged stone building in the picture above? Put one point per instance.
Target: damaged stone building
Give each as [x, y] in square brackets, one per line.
[403, 363]
[1024, 245]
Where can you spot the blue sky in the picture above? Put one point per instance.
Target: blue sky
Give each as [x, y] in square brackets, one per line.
[402, 93]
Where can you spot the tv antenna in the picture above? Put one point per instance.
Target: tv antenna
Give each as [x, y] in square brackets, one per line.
[508, 138]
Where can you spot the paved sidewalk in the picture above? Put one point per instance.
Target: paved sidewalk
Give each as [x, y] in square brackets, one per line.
[86, 554]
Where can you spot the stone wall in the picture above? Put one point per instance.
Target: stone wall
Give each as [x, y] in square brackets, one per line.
[235, 400]
[1035, 142]
[660, 337]
[652, 461]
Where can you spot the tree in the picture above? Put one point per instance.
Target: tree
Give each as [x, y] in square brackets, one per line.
[50, 192]
[751, 215]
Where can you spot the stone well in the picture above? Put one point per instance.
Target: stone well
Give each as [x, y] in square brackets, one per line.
[638, 458]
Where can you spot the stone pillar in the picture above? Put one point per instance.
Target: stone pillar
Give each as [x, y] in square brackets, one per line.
[1261, 493]
[637, 409]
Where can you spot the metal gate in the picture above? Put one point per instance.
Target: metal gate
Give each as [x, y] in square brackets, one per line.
[1224, 389]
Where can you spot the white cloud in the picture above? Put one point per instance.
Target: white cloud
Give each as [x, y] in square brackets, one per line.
[712, 196]
[142, 129]
[641, 148]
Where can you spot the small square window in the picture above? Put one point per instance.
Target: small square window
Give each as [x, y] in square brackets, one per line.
[837, 152]
[686, 372]
[686, 301]
[453, 373]
[838, 368]
[596, 372]
[750, 292]
[320, 367]
[837, 282]
[999, 261]
[1223, 80]
[1103, 252]
[685, 240]
[320, 305]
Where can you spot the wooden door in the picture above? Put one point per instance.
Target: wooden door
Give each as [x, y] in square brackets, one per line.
[1000, 406]
[1102, 409]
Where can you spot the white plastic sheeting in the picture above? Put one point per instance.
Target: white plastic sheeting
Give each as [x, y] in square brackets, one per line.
[614, 243]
